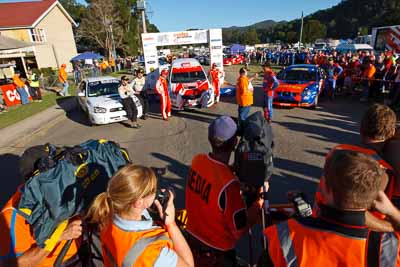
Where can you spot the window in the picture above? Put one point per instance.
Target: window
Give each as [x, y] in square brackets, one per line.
[38, 35]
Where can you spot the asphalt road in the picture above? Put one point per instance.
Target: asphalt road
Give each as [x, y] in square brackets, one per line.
[302, 138]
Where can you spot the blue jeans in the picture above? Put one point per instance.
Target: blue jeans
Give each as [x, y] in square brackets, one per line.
[65, 89]
[243, 113]
[268, 107]
[330, 86]
[23, 95]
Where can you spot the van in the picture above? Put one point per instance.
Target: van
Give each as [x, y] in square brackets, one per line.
[189, 87]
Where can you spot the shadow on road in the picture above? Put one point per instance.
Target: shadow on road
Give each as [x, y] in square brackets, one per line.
[11, 178]
[178, 169]
[72, 110]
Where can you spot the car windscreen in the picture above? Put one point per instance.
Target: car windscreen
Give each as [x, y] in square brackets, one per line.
[99, 88]
[297, 75]
[187, 77]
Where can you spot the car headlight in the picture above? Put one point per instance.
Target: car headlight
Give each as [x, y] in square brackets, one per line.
[99, 110]
[306, 94]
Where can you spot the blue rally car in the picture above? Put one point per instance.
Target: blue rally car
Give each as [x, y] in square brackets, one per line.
[299, 86]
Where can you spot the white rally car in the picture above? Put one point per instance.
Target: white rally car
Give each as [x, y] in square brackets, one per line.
[189, 86]
[98, 97]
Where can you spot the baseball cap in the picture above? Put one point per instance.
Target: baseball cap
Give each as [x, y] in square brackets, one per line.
[221, 130]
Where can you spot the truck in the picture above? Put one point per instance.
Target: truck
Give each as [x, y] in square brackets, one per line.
[386, 38]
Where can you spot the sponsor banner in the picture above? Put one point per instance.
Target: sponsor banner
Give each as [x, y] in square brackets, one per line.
[174, 38]
[10, 95]
[215, 37]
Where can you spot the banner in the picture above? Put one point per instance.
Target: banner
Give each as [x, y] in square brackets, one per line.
[10, 95]
[152, 40]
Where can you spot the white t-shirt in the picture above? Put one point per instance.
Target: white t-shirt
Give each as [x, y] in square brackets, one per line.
[139, 84]
[126, 91]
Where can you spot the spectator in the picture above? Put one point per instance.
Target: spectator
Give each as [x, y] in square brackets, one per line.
[216, 212]
[338, 236]
[244, 94]
[139, 84]
[63, 79]
[34, 86]
[127, 229]
[126, 91]
[17, 243]
[333, 71]
[21, 88]
[270, 83]
[377, 126]
[3, 107]
[392, 156]
[367, 78]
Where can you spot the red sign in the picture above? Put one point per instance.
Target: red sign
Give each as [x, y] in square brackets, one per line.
[10, 95]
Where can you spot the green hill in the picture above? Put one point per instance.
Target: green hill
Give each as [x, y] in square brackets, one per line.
[345, 20]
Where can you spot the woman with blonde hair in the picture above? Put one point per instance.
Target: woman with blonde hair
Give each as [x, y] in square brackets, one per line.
[127, 232]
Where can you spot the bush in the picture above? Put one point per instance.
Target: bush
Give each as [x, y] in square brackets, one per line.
[48, 72]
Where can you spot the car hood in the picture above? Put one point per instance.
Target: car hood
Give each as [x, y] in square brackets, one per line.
[293, 87]
[113, 101]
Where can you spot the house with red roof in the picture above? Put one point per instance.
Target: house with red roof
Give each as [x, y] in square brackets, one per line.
[44, 26]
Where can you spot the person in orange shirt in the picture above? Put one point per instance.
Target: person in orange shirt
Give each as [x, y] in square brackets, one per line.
[244, 94]
[367, 78]
[63, 79]
[338, 236]
[18, 246]
[20, 88]
[128, 233]
[217, 216]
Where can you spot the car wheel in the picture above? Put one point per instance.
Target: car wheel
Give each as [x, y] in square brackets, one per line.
[315, 105]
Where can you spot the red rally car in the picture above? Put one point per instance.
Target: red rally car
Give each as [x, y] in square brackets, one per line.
[233, 59]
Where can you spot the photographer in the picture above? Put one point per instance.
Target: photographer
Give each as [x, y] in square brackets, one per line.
[125, 92]
[18, 246]
[127, 231]
[216, 213]
[338, 236]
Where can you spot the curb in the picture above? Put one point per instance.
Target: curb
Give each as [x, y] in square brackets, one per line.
[14, 135]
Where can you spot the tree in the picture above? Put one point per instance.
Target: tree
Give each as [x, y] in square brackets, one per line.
[250, 37]
[102, 24]
[74, 9]
[313, 29]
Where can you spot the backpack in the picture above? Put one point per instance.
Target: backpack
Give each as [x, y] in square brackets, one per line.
[254, 155]
[67, 186]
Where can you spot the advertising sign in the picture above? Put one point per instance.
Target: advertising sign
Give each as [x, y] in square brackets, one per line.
[10, 95]
[152, 40]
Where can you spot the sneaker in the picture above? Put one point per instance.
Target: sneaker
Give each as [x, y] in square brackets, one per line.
[61, 94]
[136, 126]
[144, 117]
[40, 100]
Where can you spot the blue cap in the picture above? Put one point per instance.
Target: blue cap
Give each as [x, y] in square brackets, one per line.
[221, 130]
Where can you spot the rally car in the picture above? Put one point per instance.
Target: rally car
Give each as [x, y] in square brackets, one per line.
[233, 59]
[299, 86]
[189, 86]
[98, 97]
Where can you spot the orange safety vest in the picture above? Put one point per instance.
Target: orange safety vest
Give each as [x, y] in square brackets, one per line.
[206, 221]
[318, 242]
[16, 236]
[390, 188]
[62, 75]
[244, 97]
[136, 248]
[18, 82]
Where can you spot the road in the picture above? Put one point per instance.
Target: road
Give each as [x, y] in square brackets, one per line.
[302, 138]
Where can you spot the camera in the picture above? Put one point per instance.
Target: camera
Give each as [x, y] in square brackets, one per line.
[302, 208]
[163, 196]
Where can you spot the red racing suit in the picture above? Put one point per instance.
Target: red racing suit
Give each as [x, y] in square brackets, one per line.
[215, 77]
[165, 101]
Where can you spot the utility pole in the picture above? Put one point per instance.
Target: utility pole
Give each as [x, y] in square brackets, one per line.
[141, 6]
[301, 29]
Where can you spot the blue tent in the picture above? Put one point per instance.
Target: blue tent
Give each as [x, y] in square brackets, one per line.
[237, 48]
[87, 55]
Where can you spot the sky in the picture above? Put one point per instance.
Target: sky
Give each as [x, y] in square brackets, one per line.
[178, 15]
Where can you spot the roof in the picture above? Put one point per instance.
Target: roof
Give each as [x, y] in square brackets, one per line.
[10, 43]
[27, 14]
[100, 79]
[177, 63]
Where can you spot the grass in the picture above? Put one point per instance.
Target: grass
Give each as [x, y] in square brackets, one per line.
[21, 112]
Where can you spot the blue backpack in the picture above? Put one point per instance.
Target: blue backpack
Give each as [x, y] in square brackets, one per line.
[75, 178]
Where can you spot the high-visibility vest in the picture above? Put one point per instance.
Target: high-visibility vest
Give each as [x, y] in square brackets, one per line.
[315, 242]
[390, 188]
[14, 244]
[33, 80]
[136, 248]
[206, 220]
